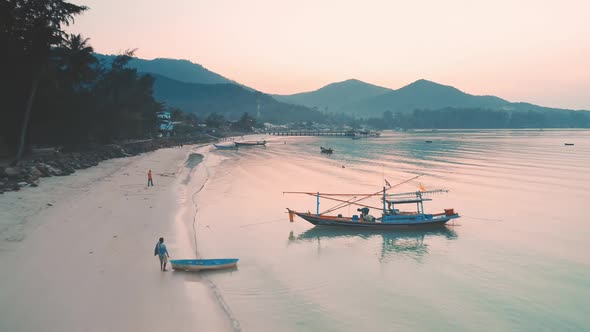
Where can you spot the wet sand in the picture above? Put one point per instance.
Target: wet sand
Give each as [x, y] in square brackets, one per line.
[77, 252]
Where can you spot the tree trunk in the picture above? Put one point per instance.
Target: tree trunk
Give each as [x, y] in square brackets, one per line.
[23, 132]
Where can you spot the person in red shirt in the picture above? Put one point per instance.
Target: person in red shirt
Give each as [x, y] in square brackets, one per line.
[150, 181]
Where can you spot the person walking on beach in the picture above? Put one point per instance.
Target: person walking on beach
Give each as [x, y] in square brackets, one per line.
[150, 181]
[162, 253]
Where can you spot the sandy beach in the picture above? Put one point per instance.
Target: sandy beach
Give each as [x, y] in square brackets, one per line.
[77, 251]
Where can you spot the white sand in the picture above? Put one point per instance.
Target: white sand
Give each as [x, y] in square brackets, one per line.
[86, 263]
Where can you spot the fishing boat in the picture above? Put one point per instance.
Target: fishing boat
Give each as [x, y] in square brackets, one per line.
[391, 217]
[225, 146]
[203, 264]
[250, 143]
[356, 136]
[326, 150]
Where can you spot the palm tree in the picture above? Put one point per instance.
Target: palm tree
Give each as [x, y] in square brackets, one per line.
[76, 61]
[39, 25]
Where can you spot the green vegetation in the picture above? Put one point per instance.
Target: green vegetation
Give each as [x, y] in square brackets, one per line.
[229, 100]
[56, 92]
[475, 118]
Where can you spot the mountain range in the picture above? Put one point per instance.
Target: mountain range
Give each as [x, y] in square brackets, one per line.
[192, 87]
[367, 100]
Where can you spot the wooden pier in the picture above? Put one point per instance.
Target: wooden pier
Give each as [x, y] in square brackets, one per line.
[347, 133]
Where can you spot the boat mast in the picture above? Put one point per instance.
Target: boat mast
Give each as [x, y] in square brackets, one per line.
[384, 210]
[421, 206]
[318, 204]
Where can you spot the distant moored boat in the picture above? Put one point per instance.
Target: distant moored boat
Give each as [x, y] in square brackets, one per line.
[326, 150]
[249, 143]
[225, 146]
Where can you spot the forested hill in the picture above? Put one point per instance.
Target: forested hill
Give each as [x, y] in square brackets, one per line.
[362, 99]
[424, 94]
[230, 100]
[334, 96]
[180, 70]
[192, 88]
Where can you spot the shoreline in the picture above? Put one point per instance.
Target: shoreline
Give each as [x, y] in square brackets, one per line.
[54, 163]
[79, 251]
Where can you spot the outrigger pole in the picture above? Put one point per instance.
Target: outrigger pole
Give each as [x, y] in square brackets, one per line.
[349, 202]
[434, 191]
[368, 195]
[378, 192]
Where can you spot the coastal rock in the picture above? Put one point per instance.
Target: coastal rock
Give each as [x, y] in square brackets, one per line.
[34, 172]
[43, 169]
[53, 171]
[64, 163]
[13, 172]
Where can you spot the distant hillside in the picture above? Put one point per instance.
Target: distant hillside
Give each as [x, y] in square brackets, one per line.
[424, 94]
[231, 100]
[180, 70]
[336, 95]
[351, 97]
[421, 94]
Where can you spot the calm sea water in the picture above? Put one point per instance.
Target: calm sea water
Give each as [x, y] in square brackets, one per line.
[517, 260]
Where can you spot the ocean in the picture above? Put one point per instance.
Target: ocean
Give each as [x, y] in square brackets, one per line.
[517, 259]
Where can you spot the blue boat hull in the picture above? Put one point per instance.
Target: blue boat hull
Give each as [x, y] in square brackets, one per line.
[203, 264]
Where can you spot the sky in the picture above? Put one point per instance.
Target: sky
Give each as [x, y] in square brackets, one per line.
[536, 51]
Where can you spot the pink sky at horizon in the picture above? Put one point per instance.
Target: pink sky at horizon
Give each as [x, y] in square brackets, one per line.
[533, 51]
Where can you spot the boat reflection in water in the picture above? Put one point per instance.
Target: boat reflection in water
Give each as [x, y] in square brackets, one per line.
[410, 243]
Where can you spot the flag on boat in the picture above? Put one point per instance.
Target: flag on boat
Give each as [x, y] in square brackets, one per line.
[387, 183]
[422, 187]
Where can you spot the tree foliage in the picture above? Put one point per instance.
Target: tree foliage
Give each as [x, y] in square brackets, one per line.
[245, 123]
[55, 91]
[467, 118]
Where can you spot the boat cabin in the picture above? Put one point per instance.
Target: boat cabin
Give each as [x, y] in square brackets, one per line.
[392, 203]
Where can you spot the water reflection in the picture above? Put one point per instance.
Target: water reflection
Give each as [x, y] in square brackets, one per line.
[413, 148]
[409, 243]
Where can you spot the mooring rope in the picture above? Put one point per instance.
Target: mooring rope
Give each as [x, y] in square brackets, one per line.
[481, 218]
[263, 222]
